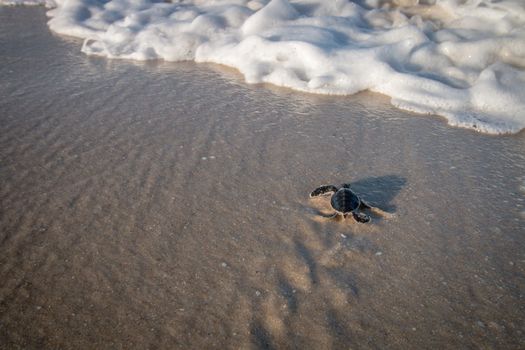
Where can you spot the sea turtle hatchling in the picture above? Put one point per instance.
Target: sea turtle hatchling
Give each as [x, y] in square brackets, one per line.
[344, 201]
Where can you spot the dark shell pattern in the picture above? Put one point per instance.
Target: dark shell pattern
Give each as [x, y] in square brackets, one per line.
[345, 200]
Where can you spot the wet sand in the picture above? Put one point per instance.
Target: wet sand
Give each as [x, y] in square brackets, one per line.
[166, 206]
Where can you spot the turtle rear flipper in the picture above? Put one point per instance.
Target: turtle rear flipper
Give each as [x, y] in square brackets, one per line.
[361, 217]
[332, 216]
[325, 189]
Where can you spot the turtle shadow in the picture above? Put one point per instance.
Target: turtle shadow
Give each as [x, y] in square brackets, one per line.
[380, 190]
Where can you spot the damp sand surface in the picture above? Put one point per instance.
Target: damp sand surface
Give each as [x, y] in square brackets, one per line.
[166, 206]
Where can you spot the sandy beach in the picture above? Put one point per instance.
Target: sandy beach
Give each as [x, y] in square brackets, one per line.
[165, 206]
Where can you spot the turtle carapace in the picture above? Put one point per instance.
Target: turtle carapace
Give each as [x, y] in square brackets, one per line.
[344, 201]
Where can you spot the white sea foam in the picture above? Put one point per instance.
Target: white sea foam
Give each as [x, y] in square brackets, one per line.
[47, 3]
[462, 59]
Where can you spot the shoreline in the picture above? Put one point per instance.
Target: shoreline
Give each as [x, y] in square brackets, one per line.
[420, 56]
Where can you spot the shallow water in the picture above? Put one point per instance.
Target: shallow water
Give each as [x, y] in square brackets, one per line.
[166, 206]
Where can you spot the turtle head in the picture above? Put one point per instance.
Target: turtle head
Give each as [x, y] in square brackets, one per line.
[345, 185]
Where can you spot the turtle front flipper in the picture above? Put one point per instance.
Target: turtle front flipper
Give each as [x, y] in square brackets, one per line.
[360, 217]
[364, 205]
[325, 189]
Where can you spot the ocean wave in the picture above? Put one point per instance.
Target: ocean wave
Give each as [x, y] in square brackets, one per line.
[461, 59]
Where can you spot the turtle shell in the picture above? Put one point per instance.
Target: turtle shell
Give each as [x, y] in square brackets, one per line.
[345, 201]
